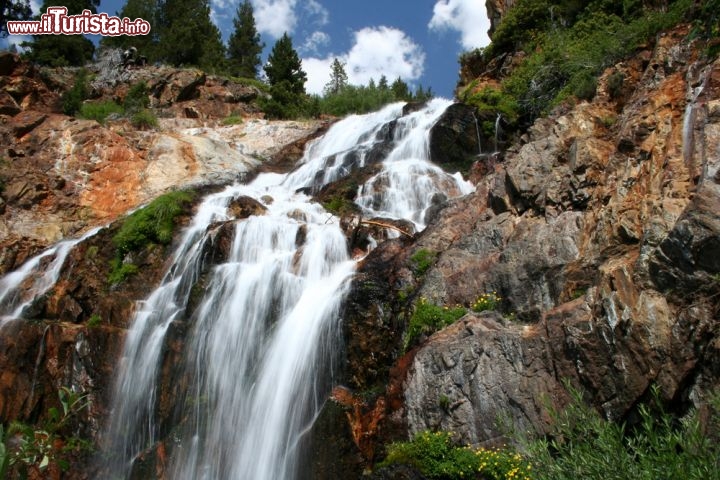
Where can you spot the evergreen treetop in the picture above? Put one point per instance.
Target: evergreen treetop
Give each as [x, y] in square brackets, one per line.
[244, 46]
[284, 65]
[338, 78]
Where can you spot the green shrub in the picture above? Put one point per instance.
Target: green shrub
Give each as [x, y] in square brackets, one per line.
[119, 271]
[435, 456]
[95, 320]
[154, 223]
[582, 444]
[144, 119]
[72, 99]
[99, 111]
[137, 98]
[421, 261]
[232, 120]
[251, 82]
[428, 318]
[615, 84]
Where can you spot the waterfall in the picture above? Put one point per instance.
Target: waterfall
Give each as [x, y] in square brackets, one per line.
[477, 132]
[257, 355]
[34, 278]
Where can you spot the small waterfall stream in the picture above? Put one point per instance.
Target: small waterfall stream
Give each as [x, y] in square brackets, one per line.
[36, 276]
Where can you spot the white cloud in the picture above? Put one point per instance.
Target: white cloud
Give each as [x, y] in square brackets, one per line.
[469, 17]
[314, 42]
[314, 8]
[377, 51]
[275, 17]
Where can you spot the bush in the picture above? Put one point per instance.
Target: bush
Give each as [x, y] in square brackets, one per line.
[232, 120]
[119, 271]
[137, 98]
[428, 318]
[99, 111]
[144, 119]
[435, 456]
[582, 444]
[72, 99]
[422, 260]
[154, 223]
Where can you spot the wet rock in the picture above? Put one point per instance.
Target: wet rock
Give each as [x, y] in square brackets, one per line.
[243, 207]
[454, 139]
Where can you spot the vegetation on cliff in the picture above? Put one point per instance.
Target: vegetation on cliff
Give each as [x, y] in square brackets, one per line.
[566, 47]
[581, 444]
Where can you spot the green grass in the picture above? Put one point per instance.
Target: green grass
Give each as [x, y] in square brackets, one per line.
[99, 111]
[153, 224]
[421, 261]
[232, 120]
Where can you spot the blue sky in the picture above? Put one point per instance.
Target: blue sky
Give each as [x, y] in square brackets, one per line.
[418, 40]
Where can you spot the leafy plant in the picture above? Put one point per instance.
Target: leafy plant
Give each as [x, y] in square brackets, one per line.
[582, 444]
[137, 98]
[99, 111]
[435, 456]
[95, 320]
[72, 99]
[486, 301]
[428, 318]
[36, 448]
[422, 260]
[144, 119]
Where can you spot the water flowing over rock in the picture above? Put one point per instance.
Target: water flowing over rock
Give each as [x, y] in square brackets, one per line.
[250, 362]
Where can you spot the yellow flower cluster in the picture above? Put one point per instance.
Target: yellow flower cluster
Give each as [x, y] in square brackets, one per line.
[503, 465]
[486, 301]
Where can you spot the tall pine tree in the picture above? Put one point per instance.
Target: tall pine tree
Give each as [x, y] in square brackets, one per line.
[244, 46]
[284, 65]
[187, 36]
[287, 81]
[63, 50]
[338, 78]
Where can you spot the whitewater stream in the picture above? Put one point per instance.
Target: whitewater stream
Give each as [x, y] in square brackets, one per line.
[255, 360]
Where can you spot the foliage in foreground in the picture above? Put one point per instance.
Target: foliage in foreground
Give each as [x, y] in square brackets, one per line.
[584, 445]
[35, 450]
[435, 456]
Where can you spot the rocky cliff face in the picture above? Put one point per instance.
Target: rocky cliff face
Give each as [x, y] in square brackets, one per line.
[62, 175]
[599, 232]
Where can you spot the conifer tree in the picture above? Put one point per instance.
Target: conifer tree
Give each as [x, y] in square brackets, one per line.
[244, 47]
[63, 50]
[400, 90]
[338, 78]
[146, 44]
[187, 36]
[284, 65]
[13, 10]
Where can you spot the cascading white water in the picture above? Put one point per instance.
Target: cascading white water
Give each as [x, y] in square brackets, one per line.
[257, 352]
[405, 187]
[20, 288]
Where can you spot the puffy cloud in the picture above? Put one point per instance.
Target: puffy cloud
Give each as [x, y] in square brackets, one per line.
[469, 17]
[315, 9]
[275, 17]
[376, 51]
[314, 42]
